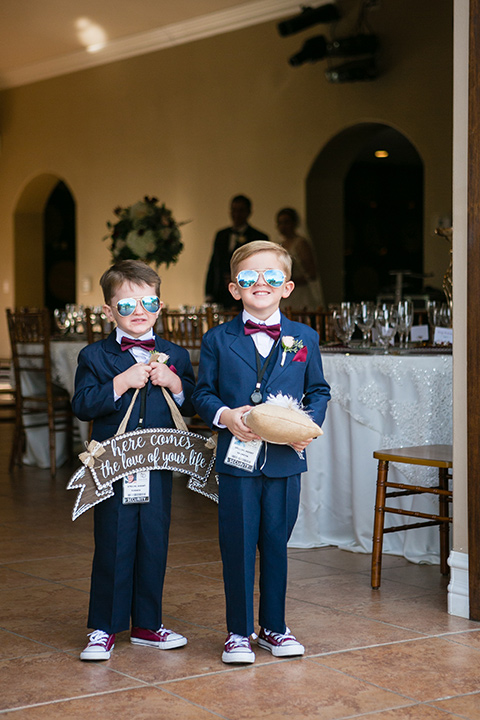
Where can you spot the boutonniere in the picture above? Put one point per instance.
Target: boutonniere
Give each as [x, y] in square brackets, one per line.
[289, 344]
[160, 357]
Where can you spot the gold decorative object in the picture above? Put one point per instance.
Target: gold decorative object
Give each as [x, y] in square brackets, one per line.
[447, 233]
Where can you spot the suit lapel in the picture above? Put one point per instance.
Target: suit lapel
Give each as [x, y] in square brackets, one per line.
[288, 328]
[242, 345]
[121, 360]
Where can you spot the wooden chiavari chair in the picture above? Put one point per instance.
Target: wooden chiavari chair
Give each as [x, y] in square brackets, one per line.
[48, 406]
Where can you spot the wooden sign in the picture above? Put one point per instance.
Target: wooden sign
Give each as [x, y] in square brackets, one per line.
[151, 449]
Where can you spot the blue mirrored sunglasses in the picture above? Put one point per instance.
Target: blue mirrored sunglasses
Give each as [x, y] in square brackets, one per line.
[126, 306]
[273, 277]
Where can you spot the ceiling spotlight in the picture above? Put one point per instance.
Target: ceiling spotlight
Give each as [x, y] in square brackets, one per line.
[313, 49]
[309, 16]
[317, 48]
[354, 45]
[354, 71]
[381, 153]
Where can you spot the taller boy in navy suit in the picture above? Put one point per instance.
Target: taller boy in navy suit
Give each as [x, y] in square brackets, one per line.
[241, 363]
[131, 539]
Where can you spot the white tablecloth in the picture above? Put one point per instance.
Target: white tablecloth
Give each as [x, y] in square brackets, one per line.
[378, 402]
[64, 364]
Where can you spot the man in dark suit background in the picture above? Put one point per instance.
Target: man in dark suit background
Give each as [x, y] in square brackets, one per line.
[225, 243]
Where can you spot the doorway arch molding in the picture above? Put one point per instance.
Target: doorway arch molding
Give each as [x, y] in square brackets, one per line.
[325, 199]
[28, 239]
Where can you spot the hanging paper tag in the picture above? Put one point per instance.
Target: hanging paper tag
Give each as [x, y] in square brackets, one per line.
[136, 487]
[243, 454]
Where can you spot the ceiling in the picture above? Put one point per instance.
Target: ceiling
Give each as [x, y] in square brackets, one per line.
[44, 38]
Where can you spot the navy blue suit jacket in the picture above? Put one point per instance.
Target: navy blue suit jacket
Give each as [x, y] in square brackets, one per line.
[99, 363]
[227, 376]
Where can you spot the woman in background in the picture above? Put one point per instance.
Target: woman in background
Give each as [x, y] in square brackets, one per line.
[307, 293]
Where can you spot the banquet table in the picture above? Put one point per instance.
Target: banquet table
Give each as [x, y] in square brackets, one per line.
[64, 355]
[378, 401]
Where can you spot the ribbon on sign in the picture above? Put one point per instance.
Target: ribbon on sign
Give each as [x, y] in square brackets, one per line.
[94, 450]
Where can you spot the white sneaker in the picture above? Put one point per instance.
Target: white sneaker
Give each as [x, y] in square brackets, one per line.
[238, 649]
[100, 646]
[280, 645]
[162, 638]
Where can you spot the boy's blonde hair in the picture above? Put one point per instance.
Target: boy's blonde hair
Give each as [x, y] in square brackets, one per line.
[258, 246]
[134, 271]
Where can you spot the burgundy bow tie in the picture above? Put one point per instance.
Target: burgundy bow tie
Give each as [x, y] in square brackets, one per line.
[272, 330]
[129, 343]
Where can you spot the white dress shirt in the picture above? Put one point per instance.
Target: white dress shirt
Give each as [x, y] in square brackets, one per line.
[263, 343]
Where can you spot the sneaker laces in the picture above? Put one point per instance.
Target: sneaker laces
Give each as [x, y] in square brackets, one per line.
[98, 637]
[279, 637]
[238, 641]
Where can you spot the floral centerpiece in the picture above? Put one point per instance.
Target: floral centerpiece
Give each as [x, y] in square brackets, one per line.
[145, 231]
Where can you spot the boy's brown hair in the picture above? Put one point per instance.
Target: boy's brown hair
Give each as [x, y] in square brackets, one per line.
[258, 246]
[133, 271]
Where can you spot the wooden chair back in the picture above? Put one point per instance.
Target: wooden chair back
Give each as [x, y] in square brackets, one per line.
[320, 320]
[96, 325]
[35, 394]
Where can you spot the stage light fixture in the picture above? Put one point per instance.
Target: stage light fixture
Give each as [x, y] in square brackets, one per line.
[361, 44]
[309, 16]
[354, 71]
[317, 48]
[313, 49]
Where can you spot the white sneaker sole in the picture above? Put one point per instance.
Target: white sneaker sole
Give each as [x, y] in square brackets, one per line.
[167, 645]
[236, 657]
[97, 655]
[285, 651]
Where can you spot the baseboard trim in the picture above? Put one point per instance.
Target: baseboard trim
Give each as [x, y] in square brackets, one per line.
[458, 588]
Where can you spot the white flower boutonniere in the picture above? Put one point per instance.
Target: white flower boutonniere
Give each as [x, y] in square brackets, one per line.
[159, 357]
[289, 344]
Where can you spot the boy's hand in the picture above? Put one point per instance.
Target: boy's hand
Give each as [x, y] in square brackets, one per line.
[135, 377]
[299, 446]
[233, 420]
[163, 376]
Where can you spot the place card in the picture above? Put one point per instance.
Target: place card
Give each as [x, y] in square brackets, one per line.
[443, 336]
[418, 333]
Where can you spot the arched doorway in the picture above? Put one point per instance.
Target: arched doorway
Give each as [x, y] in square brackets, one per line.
[45, 207]
[365, 213]
[59, 248]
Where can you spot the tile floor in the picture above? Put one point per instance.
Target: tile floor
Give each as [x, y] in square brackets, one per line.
[391, 654]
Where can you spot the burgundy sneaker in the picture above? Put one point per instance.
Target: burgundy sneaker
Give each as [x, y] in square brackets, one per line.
[279, 645]
[238, 649]
[163, 639]
[100, 646]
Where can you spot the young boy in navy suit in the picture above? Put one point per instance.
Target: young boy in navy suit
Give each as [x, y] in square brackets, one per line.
[131, 539]
[258, 353]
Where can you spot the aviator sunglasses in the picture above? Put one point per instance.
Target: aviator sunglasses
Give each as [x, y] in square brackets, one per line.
[273, 277]
[126, 306]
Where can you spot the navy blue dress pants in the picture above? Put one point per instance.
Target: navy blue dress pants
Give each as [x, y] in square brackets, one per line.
[256, 512]
[131, 545]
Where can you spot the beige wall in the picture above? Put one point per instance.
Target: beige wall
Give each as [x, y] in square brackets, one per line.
[200, 122]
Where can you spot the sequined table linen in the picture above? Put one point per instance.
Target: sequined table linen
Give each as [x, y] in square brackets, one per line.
[378, 401]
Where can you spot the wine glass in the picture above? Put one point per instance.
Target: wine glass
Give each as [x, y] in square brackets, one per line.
[62, 320]
[386, 324]
[439, 315]
[344, 321]
[365, 317]
[405, 320]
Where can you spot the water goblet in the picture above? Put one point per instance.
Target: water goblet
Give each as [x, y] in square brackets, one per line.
[405, 320]
[364, 318]
[344, 321]
[386, 324]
